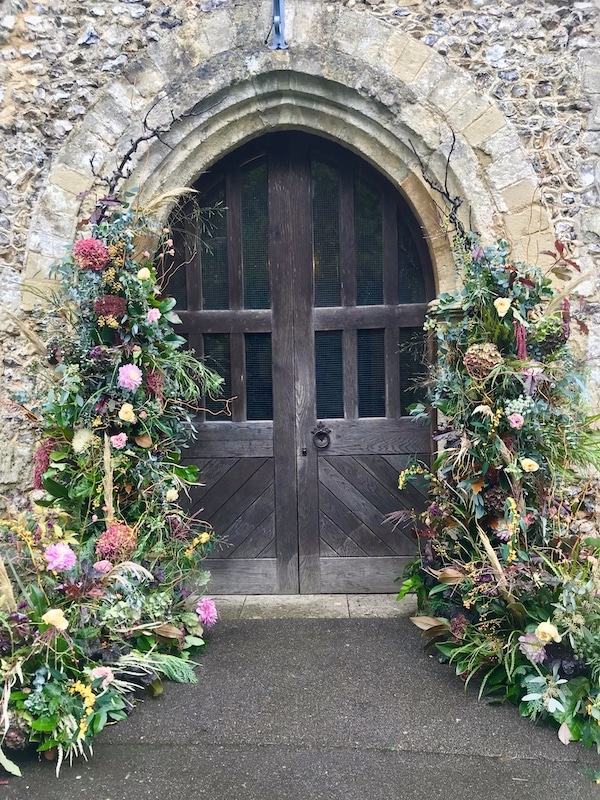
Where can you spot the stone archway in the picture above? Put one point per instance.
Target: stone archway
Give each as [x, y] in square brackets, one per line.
[378, 91]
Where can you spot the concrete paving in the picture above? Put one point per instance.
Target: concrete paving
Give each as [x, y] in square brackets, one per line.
[314, 606]
[319, 709]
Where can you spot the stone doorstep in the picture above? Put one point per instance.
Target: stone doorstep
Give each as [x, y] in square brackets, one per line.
[314, 606]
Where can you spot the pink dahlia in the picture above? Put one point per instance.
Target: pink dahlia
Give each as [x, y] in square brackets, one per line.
[117, 543]
[130, 377]
[91, 254]
[119, 441]
[207, 612]
[59, 557]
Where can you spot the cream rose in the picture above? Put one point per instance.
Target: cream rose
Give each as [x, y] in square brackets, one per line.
[126, 413]
[547, 632]
[143, 274]
[529, 465]
[56, 618]
[502, 304]
[172, 495]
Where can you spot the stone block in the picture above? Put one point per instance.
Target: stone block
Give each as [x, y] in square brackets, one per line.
[35, 290]
[377, 606]
[465, 111]
[522, 224]
[306, 606]
[304, 23]
[220, 32]
[485, 126]
[452, 89]
[70, 180]
[507, 170]
[519, 195]
[431, 74]
[591, 80]
[15, 464]
[350, 35]
[145, 76]
[412, 59]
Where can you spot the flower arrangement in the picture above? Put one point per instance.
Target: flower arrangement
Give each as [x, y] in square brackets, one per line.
[508, 574]
[101, 586]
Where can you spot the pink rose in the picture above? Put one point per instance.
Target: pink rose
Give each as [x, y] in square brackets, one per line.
[102, 672]
[516, 420]
[130, 377]
[119, 441]
[153, 315]
[103, 566]
[59, 557]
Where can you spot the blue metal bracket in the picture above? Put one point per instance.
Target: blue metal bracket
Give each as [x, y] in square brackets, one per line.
[277, 26]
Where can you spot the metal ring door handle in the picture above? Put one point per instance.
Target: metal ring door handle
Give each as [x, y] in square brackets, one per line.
[321, 438]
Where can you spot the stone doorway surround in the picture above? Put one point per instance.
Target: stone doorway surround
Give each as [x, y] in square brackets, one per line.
[374, 89]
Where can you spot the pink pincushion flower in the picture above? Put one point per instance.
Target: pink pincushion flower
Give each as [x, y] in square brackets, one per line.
[153, 315]
[119, 441]
[117, 543]
[103, 566]
[207, 612]
[59, 557]
[130, 377]
[102, 672]
[91, 254]
[516, 420]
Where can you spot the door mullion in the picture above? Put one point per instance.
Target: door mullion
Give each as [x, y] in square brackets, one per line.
[282, 259]
[350, 362]
[234, 239]
[347, 240]
[392, 373]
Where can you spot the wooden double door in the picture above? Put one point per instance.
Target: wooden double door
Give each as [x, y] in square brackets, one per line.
[309, 299]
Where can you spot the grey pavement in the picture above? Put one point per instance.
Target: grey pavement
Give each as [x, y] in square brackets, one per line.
[339, 708]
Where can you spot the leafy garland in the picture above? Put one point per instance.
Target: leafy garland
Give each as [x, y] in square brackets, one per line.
[93, 601]
[509, 568]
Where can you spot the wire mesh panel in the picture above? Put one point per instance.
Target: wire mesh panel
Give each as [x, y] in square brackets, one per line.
[215, 278]
[329, 374]
[325, 186]
[370, 353]
[368, 232]
[217, 356]
[255, 234]
[411, 281]
[412, 351]
[259, 376]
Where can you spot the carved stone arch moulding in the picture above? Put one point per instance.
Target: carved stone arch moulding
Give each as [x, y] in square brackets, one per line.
[374, 90]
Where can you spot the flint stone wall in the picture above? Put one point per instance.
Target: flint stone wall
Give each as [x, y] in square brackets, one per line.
[519, 81]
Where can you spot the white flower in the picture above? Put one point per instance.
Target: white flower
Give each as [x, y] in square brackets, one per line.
[547, 632]
[172, 495]
[82, 439]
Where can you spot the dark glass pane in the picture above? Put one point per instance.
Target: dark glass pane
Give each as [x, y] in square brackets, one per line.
[413, 369]
[371, 373]
[326, 234]
[259, 376]
[329, 374]
[410, 275]
[368, 233]
[175, 278]
[255, 235]
[217, 356]
[213, 249]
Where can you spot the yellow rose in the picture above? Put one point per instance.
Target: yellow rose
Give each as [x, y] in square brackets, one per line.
[502, 304]
[143, 274]
[126, 413]
[547, 632]
[529, 465]
[56, 618]
[172, 495]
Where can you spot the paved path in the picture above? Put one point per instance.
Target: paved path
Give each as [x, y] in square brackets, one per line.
[319, 709]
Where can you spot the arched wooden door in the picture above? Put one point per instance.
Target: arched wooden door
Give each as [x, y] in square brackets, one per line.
[316, 277]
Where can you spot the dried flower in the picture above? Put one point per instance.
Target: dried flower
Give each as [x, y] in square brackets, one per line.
[82, 439]
[481, 359]
[103, 566]
[154, 382]
[143, 274]
[59, 557]
[532, 647]
[119, 441]
[547, 632]
[91, 254]
[130, 377]
[126, 413]
[41, 462]
[56, 618]
[207, 612]
[110, 305]
[117, 543]
[502, 304]
[153, 315]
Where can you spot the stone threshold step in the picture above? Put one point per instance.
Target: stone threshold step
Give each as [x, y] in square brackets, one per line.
[313, 606]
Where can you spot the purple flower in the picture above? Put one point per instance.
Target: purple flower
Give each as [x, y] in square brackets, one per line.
[119, 441]
[130, 377]
[532, 647]
[207, 612]
[59, 557]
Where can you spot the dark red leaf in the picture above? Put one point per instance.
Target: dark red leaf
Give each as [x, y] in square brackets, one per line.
[527, 282]
[549, 253]
[582, 326]
[559, 246]
[573, 264]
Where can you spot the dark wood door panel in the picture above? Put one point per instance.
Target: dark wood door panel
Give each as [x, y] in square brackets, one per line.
[245, 495]
[253, 530]
[351, 524]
